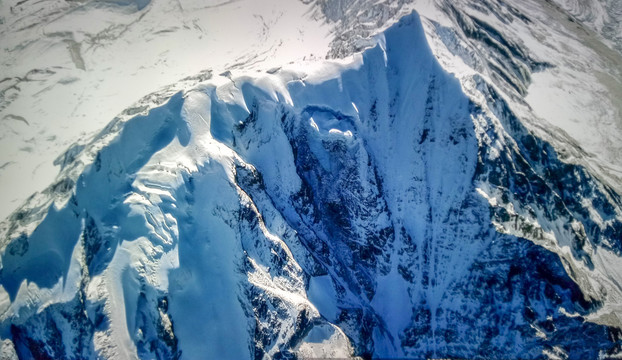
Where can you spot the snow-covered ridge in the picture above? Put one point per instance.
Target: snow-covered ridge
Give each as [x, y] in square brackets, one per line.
[374, 206]
[562, 76]
[56, 50]
[69, 67]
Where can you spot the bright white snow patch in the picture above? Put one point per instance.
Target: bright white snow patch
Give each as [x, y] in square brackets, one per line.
[86, 62]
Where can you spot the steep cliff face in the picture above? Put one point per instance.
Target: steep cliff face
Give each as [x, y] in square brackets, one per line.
[375, 206]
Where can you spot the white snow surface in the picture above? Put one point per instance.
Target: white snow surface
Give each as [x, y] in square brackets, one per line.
[68, 67]
[170, 200]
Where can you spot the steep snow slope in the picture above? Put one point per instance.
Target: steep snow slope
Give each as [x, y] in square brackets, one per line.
[56, 50]
[375, 206]
[559, 72]
[68, 67]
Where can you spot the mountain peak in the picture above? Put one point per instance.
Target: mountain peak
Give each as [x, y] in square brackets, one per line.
[400, 202]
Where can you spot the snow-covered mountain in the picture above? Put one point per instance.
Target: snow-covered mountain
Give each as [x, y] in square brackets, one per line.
[69, 67]
[446, 184]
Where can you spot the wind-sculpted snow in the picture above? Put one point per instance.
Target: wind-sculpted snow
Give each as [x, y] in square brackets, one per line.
[603, 17]
[373, 207]
[98, 57]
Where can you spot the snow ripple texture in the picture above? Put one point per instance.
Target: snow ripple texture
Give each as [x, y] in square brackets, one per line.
[374, 206]
[603, 17]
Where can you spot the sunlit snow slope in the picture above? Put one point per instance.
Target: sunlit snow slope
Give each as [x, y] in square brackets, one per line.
[68, 67]
[375, 206]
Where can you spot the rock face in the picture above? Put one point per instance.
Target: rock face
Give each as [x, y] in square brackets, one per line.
[373, 207]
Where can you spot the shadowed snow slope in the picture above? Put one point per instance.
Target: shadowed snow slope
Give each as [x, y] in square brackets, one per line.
[369, 206]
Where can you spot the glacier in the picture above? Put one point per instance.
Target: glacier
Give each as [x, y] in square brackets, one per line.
[374, 206]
